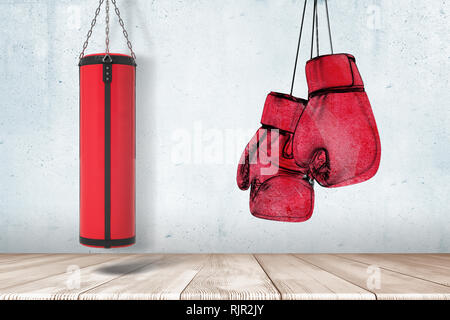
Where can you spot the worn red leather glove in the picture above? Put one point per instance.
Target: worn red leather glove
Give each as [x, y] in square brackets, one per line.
[280, 190]
[336, 136]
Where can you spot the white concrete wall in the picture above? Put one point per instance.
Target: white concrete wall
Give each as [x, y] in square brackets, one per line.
[205, 67]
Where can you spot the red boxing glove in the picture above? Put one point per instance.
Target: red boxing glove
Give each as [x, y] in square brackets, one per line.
[337, 136]
[280, 190]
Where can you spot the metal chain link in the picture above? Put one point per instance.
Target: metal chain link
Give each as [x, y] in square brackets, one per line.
[107, 27]
[89, 34]
[125, 33]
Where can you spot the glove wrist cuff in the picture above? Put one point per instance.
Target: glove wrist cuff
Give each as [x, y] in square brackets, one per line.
[334, 71]
[282, 111]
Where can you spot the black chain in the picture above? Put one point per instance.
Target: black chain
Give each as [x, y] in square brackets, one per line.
[89, 34]
[125, 33]
[107, 29]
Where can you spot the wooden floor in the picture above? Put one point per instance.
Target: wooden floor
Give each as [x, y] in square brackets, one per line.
[261, 276]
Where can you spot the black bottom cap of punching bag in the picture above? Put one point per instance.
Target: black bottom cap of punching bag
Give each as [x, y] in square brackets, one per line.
[108, 243]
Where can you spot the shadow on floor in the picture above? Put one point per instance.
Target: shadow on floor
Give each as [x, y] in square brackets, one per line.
[139, 266]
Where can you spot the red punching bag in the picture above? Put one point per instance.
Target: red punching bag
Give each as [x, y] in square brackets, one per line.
[107, 146]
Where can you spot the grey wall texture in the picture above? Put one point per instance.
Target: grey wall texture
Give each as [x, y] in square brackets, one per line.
[204, 70]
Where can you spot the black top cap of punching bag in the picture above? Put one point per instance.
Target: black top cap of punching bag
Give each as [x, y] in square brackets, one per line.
[115, 59]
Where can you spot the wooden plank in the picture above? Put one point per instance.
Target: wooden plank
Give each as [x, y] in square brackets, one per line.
[444, 256]
[418, 267]
[8, 258]
[40, 268]
[428, 259]
[224, 276]
[69, 286]
[298, 280]
[231, 277]
[164, 279]
[392, 285]
[13, 265]
[425, 259]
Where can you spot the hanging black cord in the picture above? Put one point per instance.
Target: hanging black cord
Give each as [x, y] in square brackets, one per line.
[313, 27]
[298, 47]
[314, 32]
[317, 29]
[329, 27]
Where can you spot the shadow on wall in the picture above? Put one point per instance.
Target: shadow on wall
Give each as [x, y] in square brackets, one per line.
[145, 124]
[145, 146]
